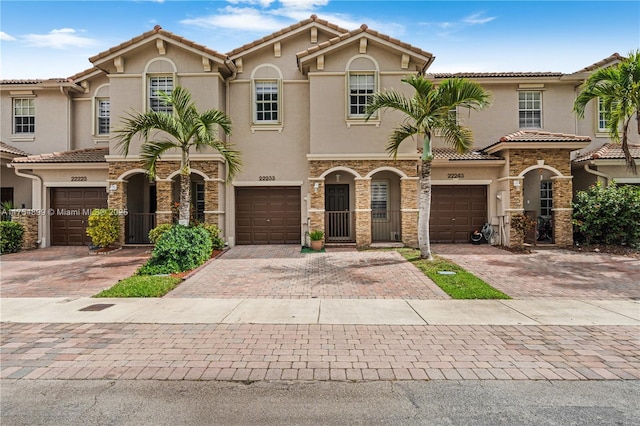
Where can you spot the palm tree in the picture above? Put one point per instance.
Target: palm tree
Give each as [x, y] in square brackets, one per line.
[428, 111]
[187, 129]
[618, 88]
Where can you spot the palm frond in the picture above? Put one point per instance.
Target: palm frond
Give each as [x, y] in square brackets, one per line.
[151, 151]
[399, 135]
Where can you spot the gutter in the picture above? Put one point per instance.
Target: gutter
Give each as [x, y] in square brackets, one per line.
[227, 199]
[36, 194]
[597, 173]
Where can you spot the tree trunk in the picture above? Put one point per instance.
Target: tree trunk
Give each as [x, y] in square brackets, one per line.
[185, 199]
[425, 210]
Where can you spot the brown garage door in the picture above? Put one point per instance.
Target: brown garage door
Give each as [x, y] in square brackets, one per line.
[70, 212]
[456, 211]
[268, 215]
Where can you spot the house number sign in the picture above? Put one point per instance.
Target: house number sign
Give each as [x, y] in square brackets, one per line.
[266, 178]
[78, 178]
[455, 175]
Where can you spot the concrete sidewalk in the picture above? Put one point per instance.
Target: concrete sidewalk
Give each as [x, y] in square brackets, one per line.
[320, 311]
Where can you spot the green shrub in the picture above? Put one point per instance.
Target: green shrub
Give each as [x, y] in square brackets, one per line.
[10, 236]
[156, 233]
[214, 233]
[179, 249]
[104, 227]
[608, 215]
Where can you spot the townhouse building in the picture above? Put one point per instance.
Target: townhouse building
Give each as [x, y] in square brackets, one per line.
[296, 99]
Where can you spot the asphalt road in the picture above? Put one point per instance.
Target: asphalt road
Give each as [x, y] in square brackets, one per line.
[42, 402]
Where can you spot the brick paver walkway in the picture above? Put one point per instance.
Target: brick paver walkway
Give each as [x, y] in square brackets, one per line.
[66, 271]
[318, 352]
[282, 272]
[550, 273]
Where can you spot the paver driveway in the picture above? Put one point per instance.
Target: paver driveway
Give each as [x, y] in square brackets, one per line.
[283, 272]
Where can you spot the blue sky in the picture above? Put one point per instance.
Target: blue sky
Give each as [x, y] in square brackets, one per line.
[46, 39]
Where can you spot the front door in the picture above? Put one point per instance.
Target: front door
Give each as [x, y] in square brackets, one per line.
[338, 214]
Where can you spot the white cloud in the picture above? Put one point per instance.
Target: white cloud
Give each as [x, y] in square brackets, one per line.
[478, 19]
[6, 37]
[58, 39]
[448, 28]
[233, 18]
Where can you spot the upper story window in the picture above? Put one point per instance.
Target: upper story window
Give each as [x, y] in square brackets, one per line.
[103, 116]
[267, 101]
[530, 110]
[361, 88]
[159, 84]
[603, 115]
[24, 115]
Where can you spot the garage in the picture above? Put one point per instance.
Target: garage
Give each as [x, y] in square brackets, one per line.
[456, 211]
[70, 209]
[268, 215]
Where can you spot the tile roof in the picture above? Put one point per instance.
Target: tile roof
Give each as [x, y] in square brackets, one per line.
[89, 155]
[36, 81]
[539, 136]
[606, 61]
[288, 29]
[157, 30]
[453, 155]
[363, 29]
[8, 149]
[612, 151]
[495, 74]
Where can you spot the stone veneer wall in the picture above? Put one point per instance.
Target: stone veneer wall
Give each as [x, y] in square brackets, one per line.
[29, 222]
[363, 236]
[164, 188]
[559, 159]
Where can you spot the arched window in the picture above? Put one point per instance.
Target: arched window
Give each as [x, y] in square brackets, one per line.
[362, 83]
[102, 112]
[160, 77]
[266, 89]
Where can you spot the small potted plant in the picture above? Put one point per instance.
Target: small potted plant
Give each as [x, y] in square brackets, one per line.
[316, 238]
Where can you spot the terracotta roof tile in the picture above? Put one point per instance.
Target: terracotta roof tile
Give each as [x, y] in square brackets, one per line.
[495, 74]
[8, 149]
[453, 155]
[606, 61]
[36, 81]
[157, 30]
[363, 29]
[539, 136]
[611, 151]
[288, 29]
[89, 155]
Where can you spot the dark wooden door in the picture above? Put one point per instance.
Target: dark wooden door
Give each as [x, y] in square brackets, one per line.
[338, 214]
[268, 215]
[70, 209]
[456, 211]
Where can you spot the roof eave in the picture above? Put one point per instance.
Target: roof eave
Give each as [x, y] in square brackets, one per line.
[501, 146]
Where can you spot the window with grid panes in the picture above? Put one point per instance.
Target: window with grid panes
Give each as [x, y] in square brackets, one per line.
[361, 87]
[530, 110]
[24, 115]
[546, 198]
[103, 113]
[159, 84]
[379, 199]
[602, 117]
[267, 101]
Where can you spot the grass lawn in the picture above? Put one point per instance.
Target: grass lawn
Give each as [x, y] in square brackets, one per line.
[461, 285]
[141, 286]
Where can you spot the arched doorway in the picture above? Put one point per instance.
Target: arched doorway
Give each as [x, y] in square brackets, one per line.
[386, 219]
[537, 193]
[141, 209]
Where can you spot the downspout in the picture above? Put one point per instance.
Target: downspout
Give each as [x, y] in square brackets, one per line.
[36, 194]
[227, 200]
[66, 94]
[597, 173]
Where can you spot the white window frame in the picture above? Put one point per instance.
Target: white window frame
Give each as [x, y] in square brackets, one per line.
[530, 104]
[546, 195]
[380, 194]
[350, 87]
[601, 118]
[153, 96]
[22, 112]
[103, 116]
[274, 84]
